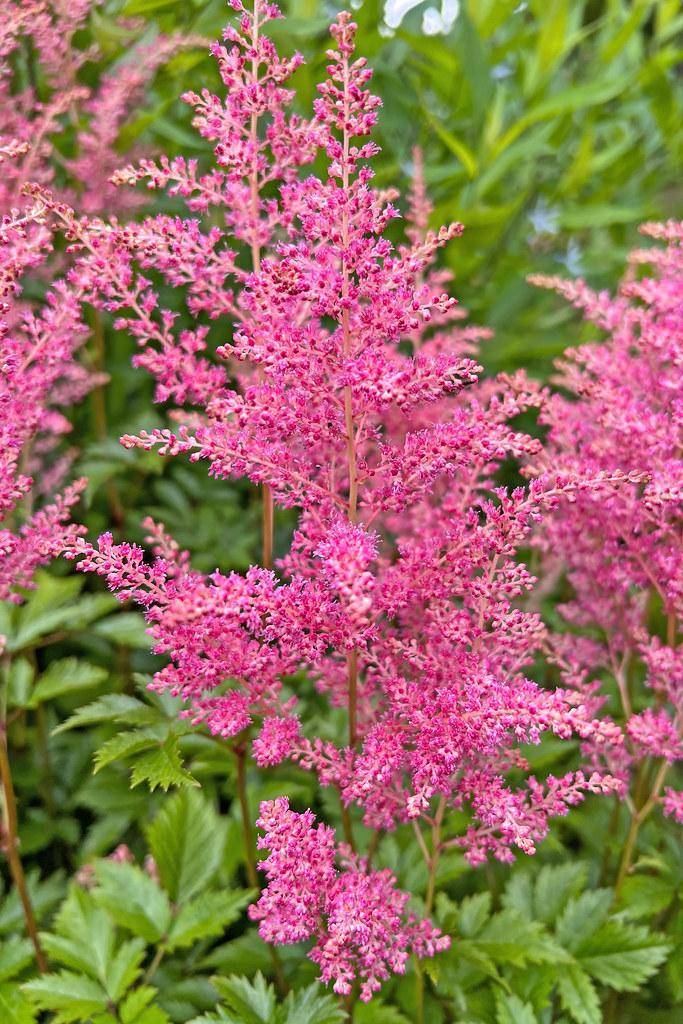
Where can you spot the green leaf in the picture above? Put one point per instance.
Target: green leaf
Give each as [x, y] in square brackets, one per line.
[577, 97]
[622, 956]
[15, 955]
[68, 675]
[162, 768]
[124, 744]
[313, 1005]
[378, 1013]
[473, 913]
[124, 968]
[133, 899]
[583, 916]
[14, 1006]
[125, 628]
[578, 995]
[253, 1001]
[136, 1008]
[186, 840]
[511, 1010]
[645, 895]
[71, 997]
[206, 916]
[553, 887]
[113, 707]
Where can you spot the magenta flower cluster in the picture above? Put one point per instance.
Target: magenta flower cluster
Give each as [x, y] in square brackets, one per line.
[345, 386]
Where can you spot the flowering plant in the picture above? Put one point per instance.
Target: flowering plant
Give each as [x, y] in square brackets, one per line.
[375, 679]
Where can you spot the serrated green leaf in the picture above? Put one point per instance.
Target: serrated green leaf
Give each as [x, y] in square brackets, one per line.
[554, 885]
[44, 896]
[15, 1007]
[582, 916]
[186, 840]
[511, 1010]
[162, 768]
[133, 899]
[313, 1005]
[68, 675]
[124, 968]
[113, 707]
[15, 955]
[71, 997]
[473, 913]
[645, 895]
[378, 1013]
[578, 995]
[253, 1000]
[124, 744]
[206, 916]
[622, 956]
[136, 1008]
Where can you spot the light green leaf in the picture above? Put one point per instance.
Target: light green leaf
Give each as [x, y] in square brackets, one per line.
[113, 707]
[15, 1008]
[186, 840]
[583, 916]
[68, 675]
[136, 1008]
[124, 744]
[578, 995]
[313, 1005]
[473, 913]
[15, 954]
[622, 956]
[125, 628]
[511, 1010]
[645, 895]
[71, 997]
[253, 1001]
[206, 916]
[133, 899]
[162, 768]
[124, 968]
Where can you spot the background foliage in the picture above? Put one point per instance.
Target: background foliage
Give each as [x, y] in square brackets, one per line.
[551, 129]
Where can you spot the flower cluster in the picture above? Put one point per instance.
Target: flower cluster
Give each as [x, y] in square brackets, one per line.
[39, 342]
[356, 916]
[623, 551]
[344, 385]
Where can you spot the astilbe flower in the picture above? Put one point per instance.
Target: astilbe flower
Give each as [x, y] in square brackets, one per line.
[621, 408]
[33, 115]
[38, 376]
[356, 916]
[39, 340]
[353, 398]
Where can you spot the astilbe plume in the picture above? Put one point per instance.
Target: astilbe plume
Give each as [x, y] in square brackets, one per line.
[38, 376]
[33, 115]
[347, 388]
[39, 340]
[621, 408]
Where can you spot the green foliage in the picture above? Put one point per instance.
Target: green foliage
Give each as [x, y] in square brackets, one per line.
[553, 940]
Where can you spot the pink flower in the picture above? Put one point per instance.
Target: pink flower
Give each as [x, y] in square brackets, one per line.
[357, 917]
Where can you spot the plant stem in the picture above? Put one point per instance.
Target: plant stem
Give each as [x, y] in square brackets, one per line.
[267, 509]
[352, 669]
[11, 845]
[637, 820]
